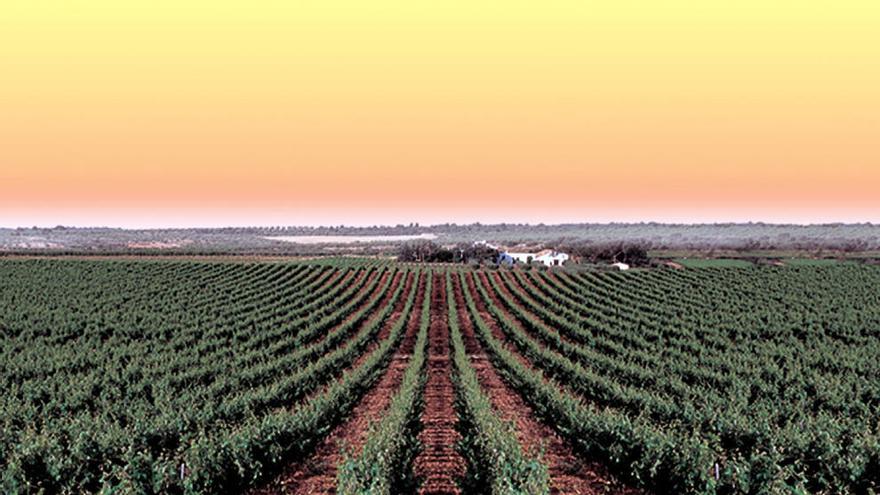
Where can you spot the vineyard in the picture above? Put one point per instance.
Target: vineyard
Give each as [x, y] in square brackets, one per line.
[354, 377]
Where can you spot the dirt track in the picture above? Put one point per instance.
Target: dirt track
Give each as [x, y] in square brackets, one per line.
[438, 466]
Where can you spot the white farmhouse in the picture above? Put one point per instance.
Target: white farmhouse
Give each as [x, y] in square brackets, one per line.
[620, 266]
[551, 258]
[547, 257]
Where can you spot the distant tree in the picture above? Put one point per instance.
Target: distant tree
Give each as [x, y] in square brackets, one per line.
[465, 253]
[444, 256]
[635, 254]
[423, 251]
[854, 245]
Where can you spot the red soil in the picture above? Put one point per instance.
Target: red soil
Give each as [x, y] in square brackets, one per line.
[569, 474]
[316, 474]
[439, 465]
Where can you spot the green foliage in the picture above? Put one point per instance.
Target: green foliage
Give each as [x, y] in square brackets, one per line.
[206, 377]
[713, 263]
[814, 261]
[510, 470]
[668, 373]
[377, 466]
[126, 370]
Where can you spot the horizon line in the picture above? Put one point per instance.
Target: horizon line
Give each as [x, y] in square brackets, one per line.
[420, 225]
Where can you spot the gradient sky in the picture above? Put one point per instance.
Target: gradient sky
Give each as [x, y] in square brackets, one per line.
[212, 112]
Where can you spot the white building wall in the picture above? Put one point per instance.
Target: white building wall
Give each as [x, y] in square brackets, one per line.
[553, 259]
[522, 257]
[549, 259]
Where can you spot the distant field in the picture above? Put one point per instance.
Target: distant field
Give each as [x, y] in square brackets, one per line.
[713, 263]
[762, 254]
[814, 262]
[359, 376]
[348, 239]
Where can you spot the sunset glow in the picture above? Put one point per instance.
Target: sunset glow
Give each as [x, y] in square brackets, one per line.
[349, 111]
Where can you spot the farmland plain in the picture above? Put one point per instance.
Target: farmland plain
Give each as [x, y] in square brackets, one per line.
[353, 376]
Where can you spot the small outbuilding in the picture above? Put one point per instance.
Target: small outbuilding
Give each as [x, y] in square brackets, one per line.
[504, 258]
[620, 266]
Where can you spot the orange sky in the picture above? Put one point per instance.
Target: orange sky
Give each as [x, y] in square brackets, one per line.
[342, 111]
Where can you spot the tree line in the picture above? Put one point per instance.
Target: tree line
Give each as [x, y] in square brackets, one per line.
[425, 251]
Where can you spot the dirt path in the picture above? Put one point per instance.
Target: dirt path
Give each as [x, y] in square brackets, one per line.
[569, 474]
[438, 466]
[317, 473]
